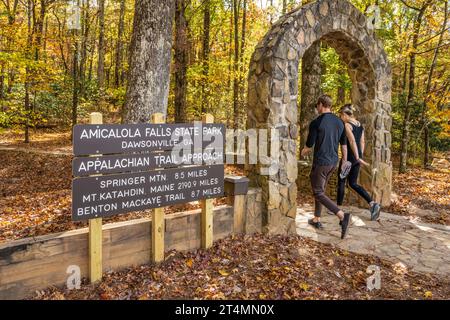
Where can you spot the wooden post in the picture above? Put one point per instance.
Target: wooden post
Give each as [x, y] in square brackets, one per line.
[239, 213]
[207, 207]
[95, 230]
[236, 189]
[158, 216]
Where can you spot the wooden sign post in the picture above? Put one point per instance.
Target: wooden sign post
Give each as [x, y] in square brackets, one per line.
[158, 217]
[95, 230]
[132, 167]
[207, 207]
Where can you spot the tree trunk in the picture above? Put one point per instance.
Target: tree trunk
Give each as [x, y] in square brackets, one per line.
[38, 29]
[205, 55]
[2, 84]
[230, 62]
[311, 72]
[150, 57]
[240, 120]
[426, 133]
[426, 146]
[181, 56]
[75, 77]
[101, 45]
[271, 14]
[411, 88]
[118, 74]
[11, 11]
[236, 64]
[27, 107]
[340, 95]
[83, 48]
[44, 39]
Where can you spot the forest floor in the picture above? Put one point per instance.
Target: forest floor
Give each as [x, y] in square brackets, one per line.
[260, 267]
[35, 199]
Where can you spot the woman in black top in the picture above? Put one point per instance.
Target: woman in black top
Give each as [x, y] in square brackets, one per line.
[355, 136]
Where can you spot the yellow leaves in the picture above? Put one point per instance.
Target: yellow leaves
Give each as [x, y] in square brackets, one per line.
[330, 262]
[189, 263]
[428, 295]
[8, 210]
[304, 286]
[223, 272]
[287, 296]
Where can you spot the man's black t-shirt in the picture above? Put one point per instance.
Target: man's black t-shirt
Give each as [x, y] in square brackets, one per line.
[325, 134]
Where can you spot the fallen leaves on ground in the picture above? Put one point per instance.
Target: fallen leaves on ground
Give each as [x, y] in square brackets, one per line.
[36, 198]
[259, 267]
[56, 140]
[425, 189]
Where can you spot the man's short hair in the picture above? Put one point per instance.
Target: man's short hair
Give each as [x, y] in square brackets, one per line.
[325, 100]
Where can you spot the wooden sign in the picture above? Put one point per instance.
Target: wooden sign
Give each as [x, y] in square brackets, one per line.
[91, 139]
[134, 167]
[86, 166]
[103, 196]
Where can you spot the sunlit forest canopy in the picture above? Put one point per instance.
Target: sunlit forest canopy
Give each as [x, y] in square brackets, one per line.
[59, 55]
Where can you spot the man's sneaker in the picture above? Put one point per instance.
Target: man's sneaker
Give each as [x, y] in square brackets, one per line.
[317, 225]
[375, 211]
[345, 224]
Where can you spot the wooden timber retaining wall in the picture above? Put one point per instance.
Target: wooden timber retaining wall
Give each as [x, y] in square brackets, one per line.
[31, 264]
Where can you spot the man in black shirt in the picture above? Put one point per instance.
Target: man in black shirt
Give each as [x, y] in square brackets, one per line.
[326, 132]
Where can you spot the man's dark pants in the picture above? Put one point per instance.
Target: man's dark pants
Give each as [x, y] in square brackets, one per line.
[319, 179]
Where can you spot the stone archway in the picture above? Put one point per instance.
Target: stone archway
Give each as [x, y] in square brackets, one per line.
[273, 90]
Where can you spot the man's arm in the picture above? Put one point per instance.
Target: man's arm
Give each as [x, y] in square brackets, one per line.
[312, 134]
[311, 140]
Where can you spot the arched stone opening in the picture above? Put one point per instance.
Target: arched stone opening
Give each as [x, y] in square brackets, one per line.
[273, 91]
